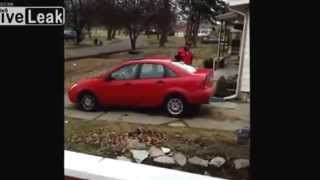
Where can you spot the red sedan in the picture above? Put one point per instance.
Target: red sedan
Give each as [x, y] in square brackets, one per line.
[177, 87]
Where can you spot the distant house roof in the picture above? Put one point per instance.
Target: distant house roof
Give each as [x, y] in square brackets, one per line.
[240, 5]
[228, 15]
[180, 27]
[237, 2]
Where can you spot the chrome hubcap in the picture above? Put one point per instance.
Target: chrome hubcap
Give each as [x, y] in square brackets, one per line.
[175, 106]
[88, 102]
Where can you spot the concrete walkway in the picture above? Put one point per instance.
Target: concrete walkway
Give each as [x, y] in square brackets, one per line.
[122, 45]
[238, 116]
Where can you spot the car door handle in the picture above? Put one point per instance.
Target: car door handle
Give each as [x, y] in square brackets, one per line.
[160, 82]
[126, 84]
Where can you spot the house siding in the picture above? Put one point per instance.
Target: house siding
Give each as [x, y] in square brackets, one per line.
[245, 79]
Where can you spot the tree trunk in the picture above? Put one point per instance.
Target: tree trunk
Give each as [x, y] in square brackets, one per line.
[163, 38]
[132, 40]
[164, 25]
[113, 36]
[193, 24]
[89, 31]
[188, 30]
[133, 43]
[109, 35]
[78, 36]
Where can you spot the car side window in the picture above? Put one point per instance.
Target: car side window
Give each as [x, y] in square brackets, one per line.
[128, 72]
[152, 71]
[169, 73]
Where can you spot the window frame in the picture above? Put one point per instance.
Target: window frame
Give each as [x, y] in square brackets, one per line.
[136, 76]
[166, 69]
[140, 70]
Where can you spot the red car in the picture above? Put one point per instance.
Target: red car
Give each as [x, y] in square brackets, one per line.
[147, 83]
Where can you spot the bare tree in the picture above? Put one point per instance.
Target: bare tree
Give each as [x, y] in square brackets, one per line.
[107, 15]
[165, 19]
[197, 10]
[136, 15]
[79, 14]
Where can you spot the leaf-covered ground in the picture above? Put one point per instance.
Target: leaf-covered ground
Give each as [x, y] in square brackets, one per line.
[112, 139]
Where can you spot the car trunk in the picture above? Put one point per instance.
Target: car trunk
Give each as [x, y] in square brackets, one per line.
[207, 76]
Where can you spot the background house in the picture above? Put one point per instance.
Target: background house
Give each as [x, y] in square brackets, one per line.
[205, 29]
[179, 30]
[236, 22]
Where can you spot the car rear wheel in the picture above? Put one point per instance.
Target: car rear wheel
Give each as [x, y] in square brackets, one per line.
[88, 102]
[175, 106]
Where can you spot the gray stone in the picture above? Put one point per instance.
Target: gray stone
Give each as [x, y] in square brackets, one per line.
[206, 173]
[177, 124]
[241, 163]
[164, 160]
[139, 155]
[180, 159]
[135, 144]
[123, 158]
[155, 152]
[243, 135]
[198, 161]
[165, 150]
[217, 161]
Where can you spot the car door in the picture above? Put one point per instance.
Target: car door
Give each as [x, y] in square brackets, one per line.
[120, 89]
[152, 84]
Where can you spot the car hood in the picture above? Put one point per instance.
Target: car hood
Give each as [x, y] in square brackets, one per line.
[89, 80]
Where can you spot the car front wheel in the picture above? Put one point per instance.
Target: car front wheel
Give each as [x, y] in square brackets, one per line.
[88, 102]
[175, 106]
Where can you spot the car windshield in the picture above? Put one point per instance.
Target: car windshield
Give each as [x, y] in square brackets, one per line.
[185, 66]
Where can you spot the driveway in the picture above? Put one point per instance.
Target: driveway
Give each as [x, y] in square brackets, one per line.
[225, 116]
[122, 45]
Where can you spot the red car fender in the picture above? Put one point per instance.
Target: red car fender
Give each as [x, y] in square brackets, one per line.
[177, 90]
[74, 92]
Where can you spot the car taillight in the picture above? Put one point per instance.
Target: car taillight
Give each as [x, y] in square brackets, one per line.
[208, 81]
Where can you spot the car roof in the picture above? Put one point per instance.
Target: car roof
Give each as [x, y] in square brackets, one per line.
[149, 60]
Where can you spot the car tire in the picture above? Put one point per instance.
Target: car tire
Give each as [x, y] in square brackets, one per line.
[88, 102]
[176, 106]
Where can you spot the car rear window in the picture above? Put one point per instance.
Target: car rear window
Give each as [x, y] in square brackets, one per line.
[185, 66]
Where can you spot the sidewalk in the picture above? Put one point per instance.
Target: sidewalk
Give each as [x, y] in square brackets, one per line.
[227, 116]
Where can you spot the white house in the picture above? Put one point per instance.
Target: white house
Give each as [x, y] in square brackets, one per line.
[239, 9]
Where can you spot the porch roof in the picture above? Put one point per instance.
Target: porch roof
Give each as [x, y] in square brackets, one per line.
[227, 16]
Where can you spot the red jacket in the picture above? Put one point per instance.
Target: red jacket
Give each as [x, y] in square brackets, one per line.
[186, 56]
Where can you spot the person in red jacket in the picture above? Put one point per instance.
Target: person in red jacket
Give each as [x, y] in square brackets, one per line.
[186, 54]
